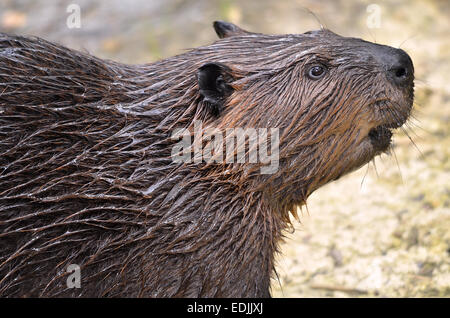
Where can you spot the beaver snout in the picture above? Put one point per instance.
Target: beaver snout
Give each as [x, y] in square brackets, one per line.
[397, 63]
[394, 97]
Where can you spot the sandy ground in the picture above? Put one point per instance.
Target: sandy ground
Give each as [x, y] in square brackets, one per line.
[377, 232]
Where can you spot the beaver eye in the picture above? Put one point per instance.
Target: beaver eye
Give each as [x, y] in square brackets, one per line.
[316, 71]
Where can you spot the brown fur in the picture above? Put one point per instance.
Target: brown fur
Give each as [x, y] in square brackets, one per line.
[86, 175]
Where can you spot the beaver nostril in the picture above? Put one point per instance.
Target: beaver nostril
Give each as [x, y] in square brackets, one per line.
[401, 72]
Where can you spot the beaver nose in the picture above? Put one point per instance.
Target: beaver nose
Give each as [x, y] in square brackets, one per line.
[398, 65]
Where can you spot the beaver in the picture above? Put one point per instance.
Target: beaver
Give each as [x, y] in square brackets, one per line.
[87, 174]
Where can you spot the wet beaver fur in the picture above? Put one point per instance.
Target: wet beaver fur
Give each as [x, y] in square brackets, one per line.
[86, 175]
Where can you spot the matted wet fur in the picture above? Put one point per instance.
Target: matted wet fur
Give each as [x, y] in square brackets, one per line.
[87, 178]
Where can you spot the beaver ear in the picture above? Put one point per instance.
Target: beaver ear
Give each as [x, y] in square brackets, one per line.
[226, 29]
[213, 79]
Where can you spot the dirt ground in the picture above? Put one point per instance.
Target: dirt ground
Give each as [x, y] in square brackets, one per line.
[382, 231]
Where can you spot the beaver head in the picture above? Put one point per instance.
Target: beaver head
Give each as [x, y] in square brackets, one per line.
[335, 100]
[87, 169]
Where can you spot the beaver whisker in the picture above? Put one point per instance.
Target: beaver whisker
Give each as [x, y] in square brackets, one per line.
[396, 161]
[365, 174]
[414, 144]
[400, 125]
[375, 168]
[407, 134]
[410, 127]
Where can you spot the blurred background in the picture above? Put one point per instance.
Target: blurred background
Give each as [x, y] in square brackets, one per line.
[382, 231]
